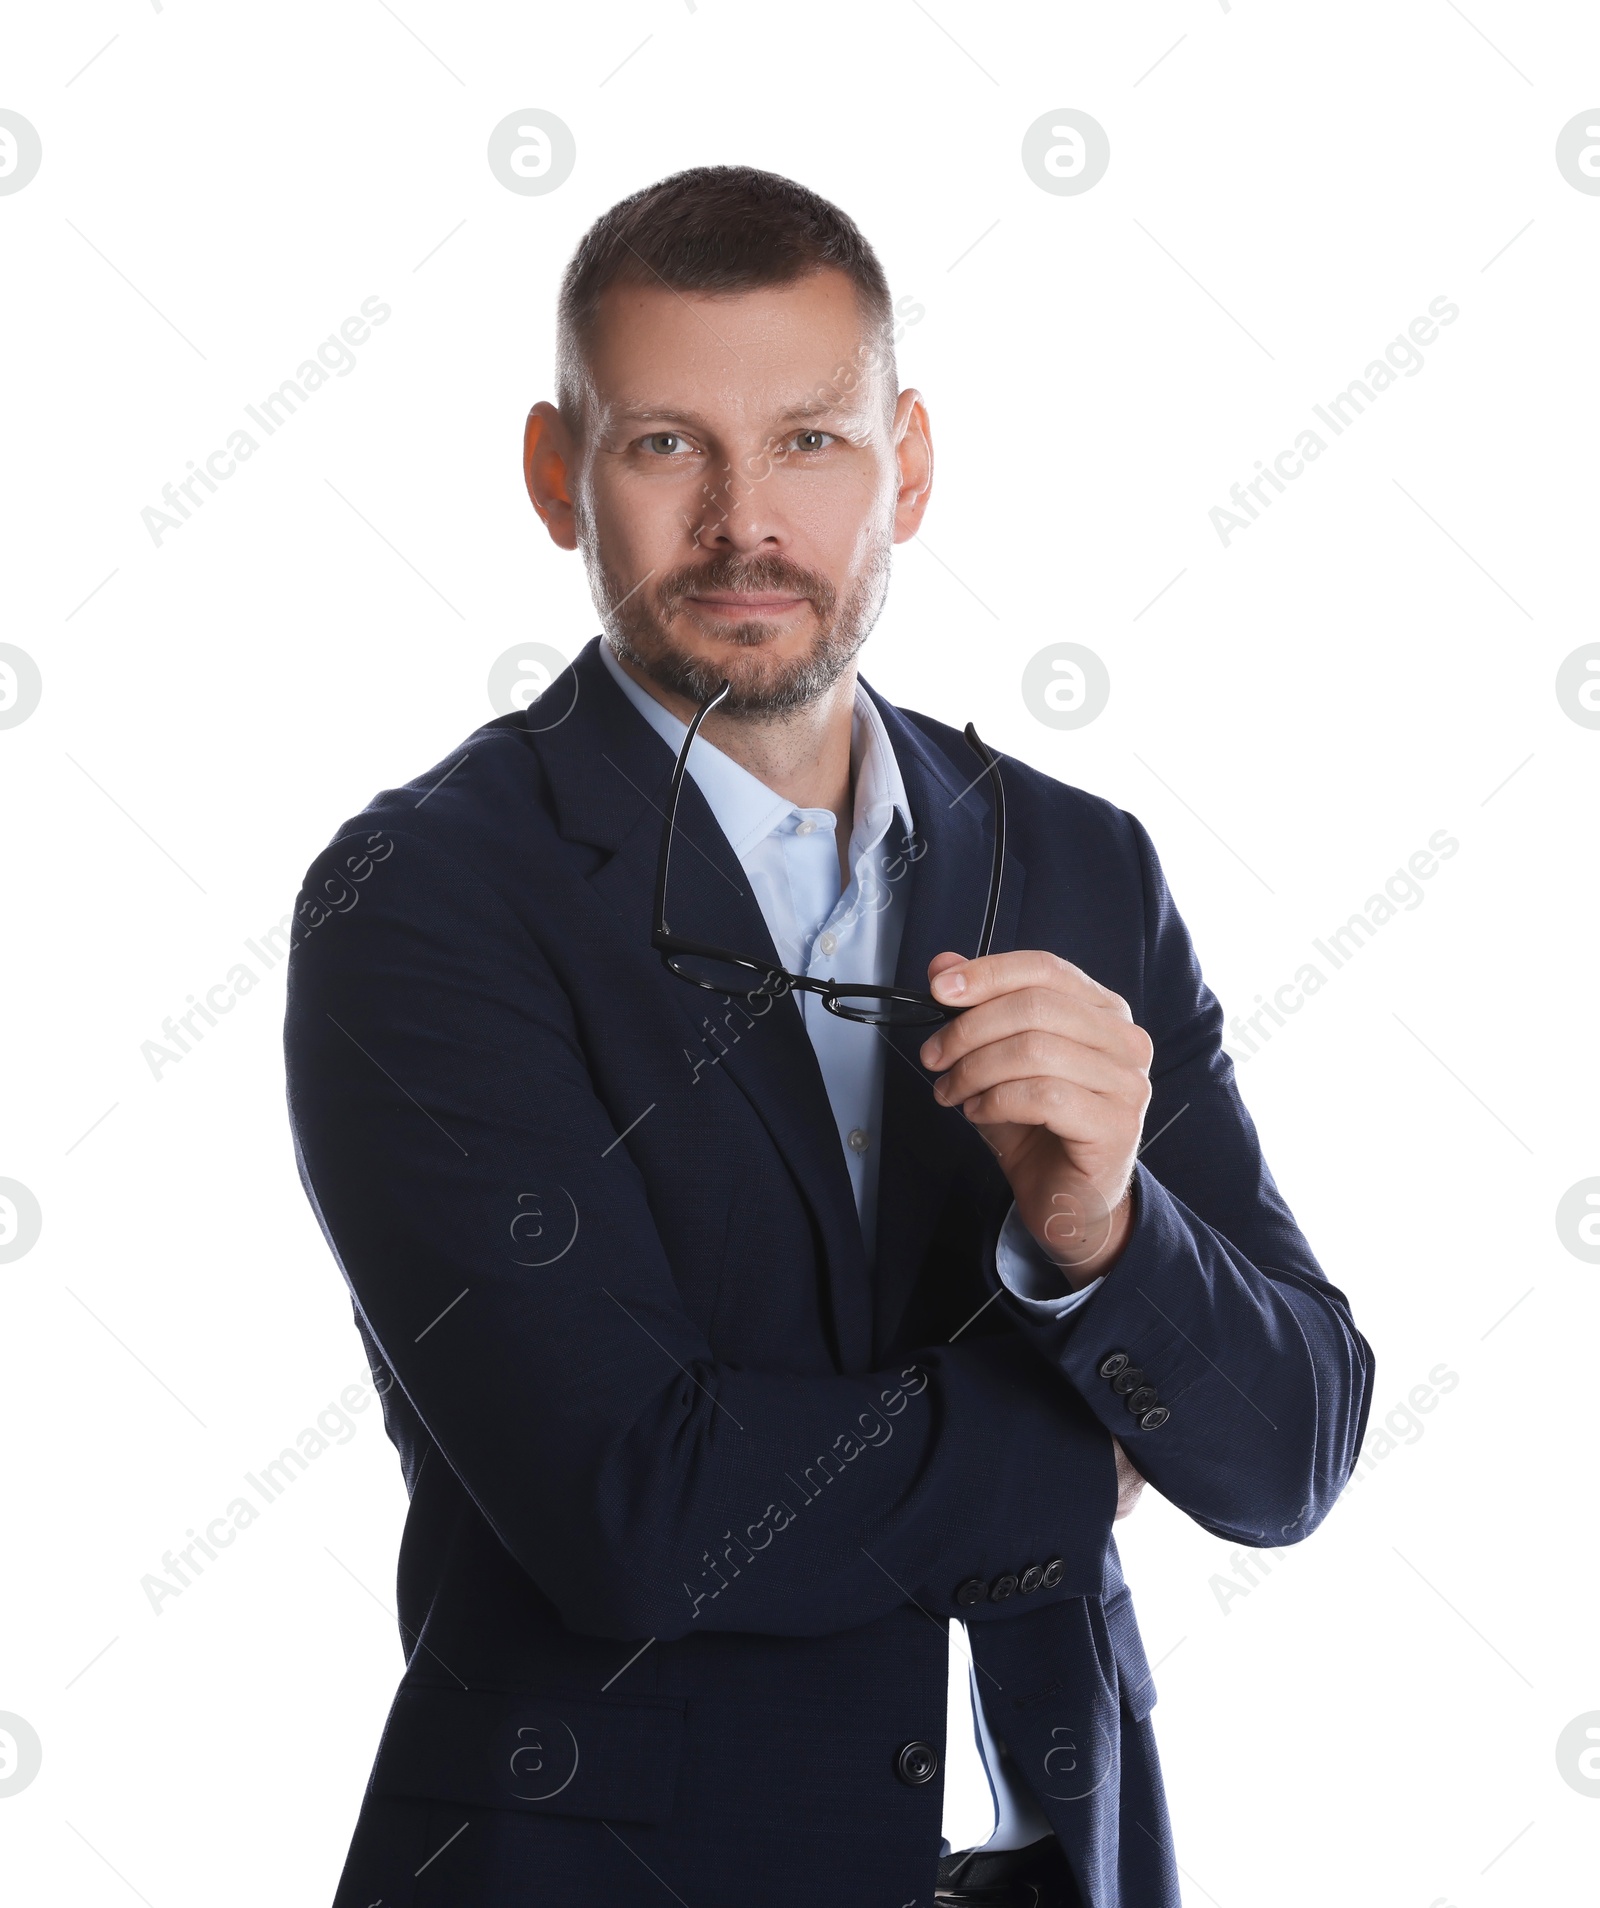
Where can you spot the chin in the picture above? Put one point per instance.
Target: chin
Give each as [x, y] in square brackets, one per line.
[750, 669]
[771, 670]
[720, 637]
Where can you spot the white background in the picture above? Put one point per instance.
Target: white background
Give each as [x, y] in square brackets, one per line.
[1297, 713]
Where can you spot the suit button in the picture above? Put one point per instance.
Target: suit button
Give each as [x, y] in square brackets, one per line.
[916, 1763]
[1153, 1420]
[1054, 1571]
[1142, 1399]
[1112, 1363]
[1031, 1579]
[1130, 1378]
[974, 1590]
[1003, 1587]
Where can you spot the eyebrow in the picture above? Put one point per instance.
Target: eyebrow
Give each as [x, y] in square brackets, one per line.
[651, 412]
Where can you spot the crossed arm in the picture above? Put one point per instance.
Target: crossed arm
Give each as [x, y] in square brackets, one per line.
[591, 1421]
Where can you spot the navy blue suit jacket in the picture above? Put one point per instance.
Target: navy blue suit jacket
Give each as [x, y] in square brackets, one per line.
[693, 1493]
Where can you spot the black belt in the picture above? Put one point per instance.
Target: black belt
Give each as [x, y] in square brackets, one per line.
[1033, 1877]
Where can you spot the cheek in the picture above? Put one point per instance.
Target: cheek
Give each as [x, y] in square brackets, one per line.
[826, 498]
[843, 526]
[638, 525]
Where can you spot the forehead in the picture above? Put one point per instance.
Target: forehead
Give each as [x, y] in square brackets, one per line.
[738, 355]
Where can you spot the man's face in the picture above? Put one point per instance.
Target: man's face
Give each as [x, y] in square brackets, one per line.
[743, 473]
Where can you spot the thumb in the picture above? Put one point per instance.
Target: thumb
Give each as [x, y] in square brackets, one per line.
[942, 964]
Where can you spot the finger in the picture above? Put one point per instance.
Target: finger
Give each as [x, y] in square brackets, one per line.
[941, 964]
[1047, 1009]
[1035, 1054]
[1073, 1113]
[966, 983]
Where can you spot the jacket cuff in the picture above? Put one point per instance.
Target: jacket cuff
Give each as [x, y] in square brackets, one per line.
[1126, 1355]
[1032, 1278]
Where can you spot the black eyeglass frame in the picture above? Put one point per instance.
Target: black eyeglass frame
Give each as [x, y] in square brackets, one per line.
[833, 994]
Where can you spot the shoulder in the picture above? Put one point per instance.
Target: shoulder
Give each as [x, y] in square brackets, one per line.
[461, 807]
[442, 858]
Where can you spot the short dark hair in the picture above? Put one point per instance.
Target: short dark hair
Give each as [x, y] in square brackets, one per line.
[713, 229]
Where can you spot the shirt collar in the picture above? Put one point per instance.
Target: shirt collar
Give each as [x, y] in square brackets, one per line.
[746, 810]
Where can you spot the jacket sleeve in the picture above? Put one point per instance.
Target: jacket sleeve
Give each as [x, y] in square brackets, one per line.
[435, 1075]
[1261, 1383]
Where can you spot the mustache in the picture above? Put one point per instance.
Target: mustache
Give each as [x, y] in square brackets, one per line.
[731, 571]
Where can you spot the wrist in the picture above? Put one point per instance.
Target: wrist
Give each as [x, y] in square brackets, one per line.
[1097, 1245]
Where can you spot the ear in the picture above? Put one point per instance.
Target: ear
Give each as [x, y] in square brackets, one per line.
[547, 460]
[913, 449]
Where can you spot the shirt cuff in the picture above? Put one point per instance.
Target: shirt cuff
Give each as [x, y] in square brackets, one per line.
[1030, 1276]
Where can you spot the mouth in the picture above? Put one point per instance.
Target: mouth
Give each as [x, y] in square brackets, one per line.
[738, 606]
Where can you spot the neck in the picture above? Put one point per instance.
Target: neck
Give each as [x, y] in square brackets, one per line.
[802, 755]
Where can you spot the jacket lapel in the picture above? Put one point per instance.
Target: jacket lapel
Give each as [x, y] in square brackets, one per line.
[929, 1150]
[609, 774]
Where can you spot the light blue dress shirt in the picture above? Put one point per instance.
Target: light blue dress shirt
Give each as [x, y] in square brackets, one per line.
[821, 927]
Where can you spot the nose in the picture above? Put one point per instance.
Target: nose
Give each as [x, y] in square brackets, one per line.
[736, 513]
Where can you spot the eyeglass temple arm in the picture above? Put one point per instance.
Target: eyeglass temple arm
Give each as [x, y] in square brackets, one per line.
[669, 822]
[992, 911]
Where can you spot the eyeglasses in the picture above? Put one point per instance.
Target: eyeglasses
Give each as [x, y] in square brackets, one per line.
[719, 970]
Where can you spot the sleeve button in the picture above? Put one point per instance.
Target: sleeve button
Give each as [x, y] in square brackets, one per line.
[1031, 1579]
[1003, 1587]
[1142, 1399]
[974, 1590]
[1154, 1419]
[1054, 1571]
[1112, 1363]
[1130, 1378]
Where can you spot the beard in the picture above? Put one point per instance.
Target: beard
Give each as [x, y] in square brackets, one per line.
[765, 686]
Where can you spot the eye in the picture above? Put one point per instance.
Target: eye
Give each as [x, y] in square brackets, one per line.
[812, 440]
[666, 444]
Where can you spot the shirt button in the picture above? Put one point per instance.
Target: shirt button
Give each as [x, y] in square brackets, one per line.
[859, 1140]
[805, 828]
[826, 943]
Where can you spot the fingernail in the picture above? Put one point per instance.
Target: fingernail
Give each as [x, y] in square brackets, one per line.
[931, 1051]
[952, 985]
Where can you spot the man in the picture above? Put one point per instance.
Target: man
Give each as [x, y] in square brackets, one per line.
[766, 1278]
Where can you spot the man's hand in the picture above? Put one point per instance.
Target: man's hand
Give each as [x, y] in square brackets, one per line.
[1129, 1483]
[1050, 1068]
